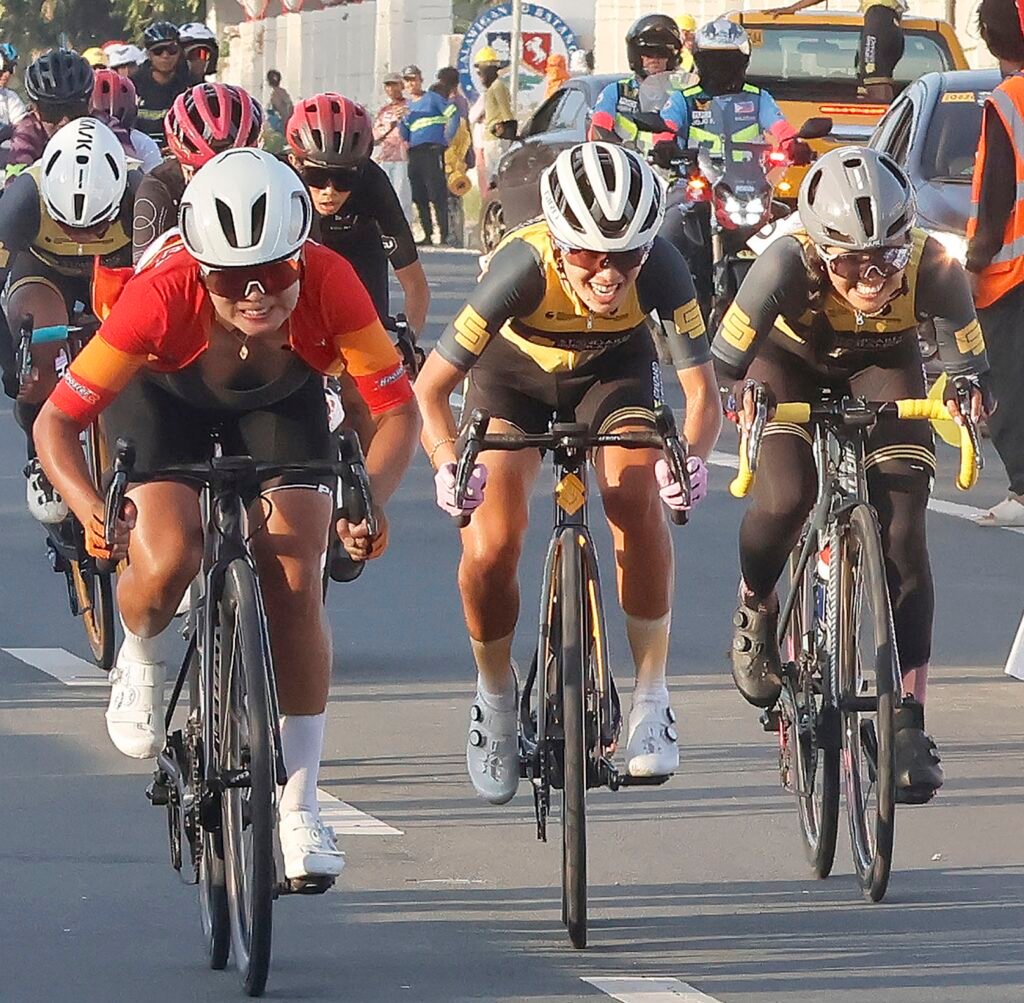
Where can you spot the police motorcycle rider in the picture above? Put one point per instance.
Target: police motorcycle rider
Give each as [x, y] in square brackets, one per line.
[721, 106]
[654, 45]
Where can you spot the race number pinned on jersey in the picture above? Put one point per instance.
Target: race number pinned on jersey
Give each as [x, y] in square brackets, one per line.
[771, 232]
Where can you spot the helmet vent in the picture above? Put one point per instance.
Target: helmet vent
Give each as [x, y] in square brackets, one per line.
[227, 222]
[79, 206]
[259, 216]
[113, 165]
[867, 218]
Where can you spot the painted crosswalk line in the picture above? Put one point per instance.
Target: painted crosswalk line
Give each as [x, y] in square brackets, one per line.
[648, 989]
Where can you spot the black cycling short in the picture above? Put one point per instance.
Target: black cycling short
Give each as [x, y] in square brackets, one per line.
[168, 430]
[619, 386]
[30, 270]
[881, 45]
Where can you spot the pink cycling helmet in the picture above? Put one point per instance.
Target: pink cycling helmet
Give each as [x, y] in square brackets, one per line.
[209, 119]
[330, 130]
[115, 96]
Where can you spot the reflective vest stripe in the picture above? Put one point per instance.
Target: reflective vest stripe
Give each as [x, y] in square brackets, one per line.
[426, 122]
[1005, 271]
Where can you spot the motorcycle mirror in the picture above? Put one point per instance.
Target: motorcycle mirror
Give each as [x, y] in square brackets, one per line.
[779, 210]
[815, 128]
[649, 121]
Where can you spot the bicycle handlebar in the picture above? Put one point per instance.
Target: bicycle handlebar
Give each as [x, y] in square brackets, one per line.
[856, 412]
[475, 439]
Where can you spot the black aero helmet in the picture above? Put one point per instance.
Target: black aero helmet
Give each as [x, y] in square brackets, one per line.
[160, 32]
[59, 77]
[653, 35]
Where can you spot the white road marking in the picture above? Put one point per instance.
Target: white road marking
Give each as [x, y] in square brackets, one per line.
[62, 665]
[347, 820]
[648, 989]
[966, 512]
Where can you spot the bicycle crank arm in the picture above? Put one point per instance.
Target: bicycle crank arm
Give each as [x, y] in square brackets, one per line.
[610, 777]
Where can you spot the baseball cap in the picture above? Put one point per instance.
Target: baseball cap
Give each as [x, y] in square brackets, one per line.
[412, 70]
[392, 78]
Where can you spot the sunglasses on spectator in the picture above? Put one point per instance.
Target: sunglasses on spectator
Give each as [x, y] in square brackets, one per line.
[165, 50]
[854, 265]
[238, 283]
[596, 261]
[341, 179]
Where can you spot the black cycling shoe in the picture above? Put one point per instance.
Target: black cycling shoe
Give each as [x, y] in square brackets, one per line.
[918, 767]
[756, 662]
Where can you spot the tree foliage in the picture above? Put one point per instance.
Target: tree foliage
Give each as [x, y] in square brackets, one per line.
[136, 14]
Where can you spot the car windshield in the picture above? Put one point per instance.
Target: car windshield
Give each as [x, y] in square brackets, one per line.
[952, 140]
[818, 61]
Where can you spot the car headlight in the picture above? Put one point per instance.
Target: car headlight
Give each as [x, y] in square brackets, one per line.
[954, 244]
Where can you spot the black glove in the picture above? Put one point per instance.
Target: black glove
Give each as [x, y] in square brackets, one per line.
[666, 153]
[974, 383]
[800, 153]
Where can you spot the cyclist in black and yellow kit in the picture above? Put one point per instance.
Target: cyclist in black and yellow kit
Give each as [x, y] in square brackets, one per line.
[56, 218]
[559, 325]
[837, 306]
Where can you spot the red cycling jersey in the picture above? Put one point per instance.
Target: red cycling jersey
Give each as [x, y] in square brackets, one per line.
[163, 316]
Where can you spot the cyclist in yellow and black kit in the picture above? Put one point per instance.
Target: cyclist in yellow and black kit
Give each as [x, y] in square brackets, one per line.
[837, 306]
[57, 218]
[558, 325]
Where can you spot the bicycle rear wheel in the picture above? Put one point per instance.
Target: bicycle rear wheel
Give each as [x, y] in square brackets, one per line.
[572, 662]
[808, 739]
[868, 672]
[247, 761]
[212, 884]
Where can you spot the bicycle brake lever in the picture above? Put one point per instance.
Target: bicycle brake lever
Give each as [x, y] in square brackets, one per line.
[963, 402]
[25, 349]
[675, 448]
[757, 427]
[468, 447]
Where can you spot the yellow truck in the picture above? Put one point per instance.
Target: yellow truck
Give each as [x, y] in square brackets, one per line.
[807, 61]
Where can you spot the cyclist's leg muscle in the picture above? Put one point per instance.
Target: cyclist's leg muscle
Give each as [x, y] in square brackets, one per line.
[288, 545]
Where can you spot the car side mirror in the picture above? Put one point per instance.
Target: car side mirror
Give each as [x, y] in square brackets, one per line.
[815, 128]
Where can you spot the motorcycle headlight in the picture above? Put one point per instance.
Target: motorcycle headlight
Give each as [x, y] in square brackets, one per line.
[755, 207]
[738, 218]
[732, 205]
[954, 244]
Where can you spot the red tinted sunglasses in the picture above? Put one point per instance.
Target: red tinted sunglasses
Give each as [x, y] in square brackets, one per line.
[854, 265]
[238, 283]
[595, 261]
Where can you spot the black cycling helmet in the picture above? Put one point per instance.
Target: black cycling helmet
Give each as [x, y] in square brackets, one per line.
[653, 35]
[59, 77]
[158, 32]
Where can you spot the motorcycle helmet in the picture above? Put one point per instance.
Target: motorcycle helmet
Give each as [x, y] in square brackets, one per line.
[721, 54]
[653, 35]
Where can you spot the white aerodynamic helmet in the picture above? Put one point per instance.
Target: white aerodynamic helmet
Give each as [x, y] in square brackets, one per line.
[245, 207]
[84, 174]
[123, 54]
[601, 197]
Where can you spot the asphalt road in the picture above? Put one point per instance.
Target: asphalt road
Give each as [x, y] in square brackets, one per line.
[697, 887]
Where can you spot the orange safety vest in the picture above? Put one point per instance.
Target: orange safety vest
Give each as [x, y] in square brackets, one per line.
[1006, 269]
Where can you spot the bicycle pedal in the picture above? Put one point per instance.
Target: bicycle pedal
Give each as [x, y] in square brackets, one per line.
[305, 886]
[656, 780]
[159, 792]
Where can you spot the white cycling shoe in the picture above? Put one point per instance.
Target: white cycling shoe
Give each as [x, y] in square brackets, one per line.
[135, 714]
[492, 749]
[651, 750]
[44, 501]
[308, 846]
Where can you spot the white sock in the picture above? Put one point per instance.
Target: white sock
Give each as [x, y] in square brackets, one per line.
[302, 743]
[495, 681]
[648, 640]
[149, 650]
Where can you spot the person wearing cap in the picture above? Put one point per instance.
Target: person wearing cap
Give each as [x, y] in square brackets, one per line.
[500, 124]
[124, 57]
[95, 57]
[389, 149]
[429, 125]
[12, 108]
[160, 79]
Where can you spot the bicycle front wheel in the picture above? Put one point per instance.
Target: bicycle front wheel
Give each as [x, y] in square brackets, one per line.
[247, 764]
[572, 662]
[809, 739]
[95, 588]
[868, 672]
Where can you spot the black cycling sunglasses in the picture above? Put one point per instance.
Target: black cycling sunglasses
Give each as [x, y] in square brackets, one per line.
[341, 179]
[171, 49]
[854, 265]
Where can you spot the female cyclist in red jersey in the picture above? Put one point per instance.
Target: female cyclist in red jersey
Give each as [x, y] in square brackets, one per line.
[195, 342]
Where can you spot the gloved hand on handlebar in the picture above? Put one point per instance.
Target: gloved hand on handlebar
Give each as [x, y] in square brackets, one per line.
[666, 153]
[799, 152]
[444, 484]
[982, 401]
[671, 490]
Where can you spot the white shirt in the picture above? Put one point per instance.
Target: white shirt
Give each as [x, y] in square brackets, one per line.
[146, 150]
[12, 108]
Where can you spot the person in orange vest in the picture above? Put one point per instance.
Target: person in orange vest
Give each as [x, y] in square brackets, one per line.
[995, 252]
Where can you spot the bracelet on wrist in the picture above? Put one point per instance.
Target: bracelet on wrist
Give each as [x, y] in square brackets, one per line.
[437, 445]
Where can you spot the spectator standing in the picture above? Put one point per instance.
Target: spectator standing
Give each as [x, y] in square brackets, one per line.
[160, 79]
[428, 127]
[995, 252]
[500, 124]
[458, 157]
[279, 104]
[12, 108]
[389, 149]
